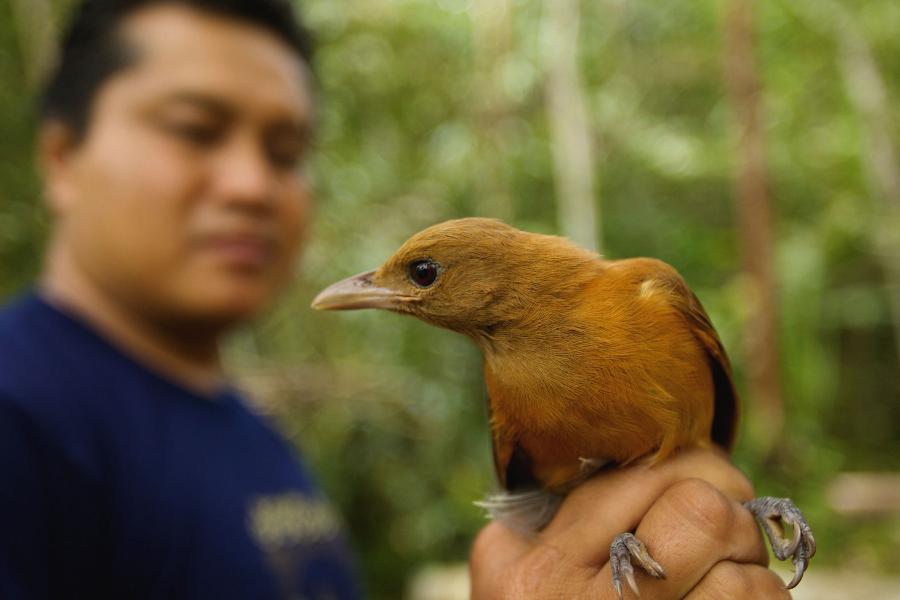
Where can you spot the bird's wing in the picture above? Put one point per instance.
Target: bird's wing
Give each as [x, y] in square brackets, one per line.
[511, 462]
[726, 409]
[501, 449]
[522, 505]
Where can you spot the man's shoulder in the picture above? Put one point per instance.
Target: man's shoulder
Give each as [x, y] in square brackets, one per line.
[23, 321]
[34, 353]
[49, 382]
[12, 313]
[21, 342]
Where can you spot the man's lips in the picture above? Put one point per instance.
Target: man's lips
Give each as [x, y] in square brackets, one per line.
[240, 250]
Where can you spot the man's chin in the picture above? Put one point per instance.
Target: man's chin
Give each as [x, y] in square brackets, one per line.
[223, 308]
[234, 310]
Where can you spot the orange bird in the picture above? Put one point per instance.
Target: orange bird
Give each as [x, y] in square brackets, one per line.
[587, 362]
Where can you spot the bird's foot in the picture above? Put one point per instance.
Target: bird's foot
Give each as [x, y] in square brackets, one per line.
[772, 514]
[623, 549]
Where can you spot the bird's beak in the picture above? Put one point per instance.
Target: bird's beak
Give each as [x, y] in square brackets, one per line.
[360, 292]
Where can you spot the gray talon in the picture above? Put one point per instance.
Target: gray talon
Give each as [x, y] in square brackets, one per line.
[772, 514]
[623, 549]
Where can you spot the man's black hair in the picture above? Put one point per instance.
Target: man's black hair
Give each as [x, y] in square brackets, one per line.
[93, 49]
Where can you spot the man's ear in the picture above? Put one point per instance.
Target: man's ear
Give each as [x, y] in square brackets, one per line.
[56, 150]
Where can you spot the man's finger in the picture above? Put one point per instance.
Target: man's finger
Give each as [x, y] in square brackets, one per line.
[691, 528]
[729, 579]
[615, 502]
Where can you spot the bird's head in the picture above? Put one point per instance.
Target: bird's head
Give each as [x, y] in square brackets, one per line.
[472, 275]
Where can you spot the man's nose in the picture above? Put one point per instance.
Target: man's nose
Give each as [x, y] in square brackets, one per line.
[244, 176]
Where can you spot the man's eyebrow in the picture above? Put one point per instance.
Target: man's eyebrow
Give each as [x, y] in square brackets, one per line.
[301, 127]
[199, 100]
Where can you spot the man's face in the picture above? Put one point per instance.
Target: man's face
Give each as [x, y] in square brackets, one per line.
[185, 199]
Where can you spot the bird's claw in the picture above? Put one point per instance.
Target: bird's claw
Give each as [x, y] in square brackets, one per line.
[624, 548]
[772, 514]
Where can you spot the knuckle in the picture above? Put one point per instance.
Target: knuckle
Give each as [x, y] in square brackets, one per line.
[485, 542]
[727, 580]
[714, 465]
[770, 585]
[485, 582]
[704, 507]
[736, 581]
[743, 486]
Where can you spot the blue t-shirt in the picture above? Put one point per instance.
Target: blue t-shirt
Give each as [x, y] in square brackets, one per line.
[117, 483]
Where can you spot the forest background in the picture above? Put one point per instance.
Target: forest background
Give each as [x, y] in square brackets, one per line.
[752, 145]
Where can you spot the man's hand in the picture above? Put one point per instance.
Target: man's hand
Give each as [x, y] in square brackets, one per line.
[686, 510]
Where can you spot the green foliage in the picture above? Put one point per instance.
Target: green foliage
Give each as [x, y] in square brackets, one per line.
[22, 222]
[389, 411]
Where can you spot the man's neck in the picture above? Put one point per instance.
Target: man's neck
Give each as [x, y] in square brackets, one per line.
[187, 355]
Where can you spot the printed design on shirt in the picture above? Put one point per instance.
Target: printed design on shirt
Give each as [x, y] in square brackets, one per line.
[295, 532]
[292, 519]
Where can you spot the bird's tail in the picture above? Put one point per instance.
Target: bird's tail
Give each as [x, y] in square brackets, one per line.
[526, 512]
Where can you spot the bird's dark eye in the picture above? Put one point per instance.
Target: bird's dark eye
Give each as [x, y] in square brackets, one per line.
[423, 272]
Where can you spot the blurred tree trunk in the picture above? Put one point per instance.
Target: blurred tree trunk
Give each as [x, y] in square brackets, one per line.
[492, 32]
[571, 133]
[765, 405]
[868, 95]
[37, 37]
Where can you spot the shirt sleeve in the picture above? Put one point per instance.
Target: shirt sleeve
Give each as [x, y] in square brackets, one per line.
[24, 534]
